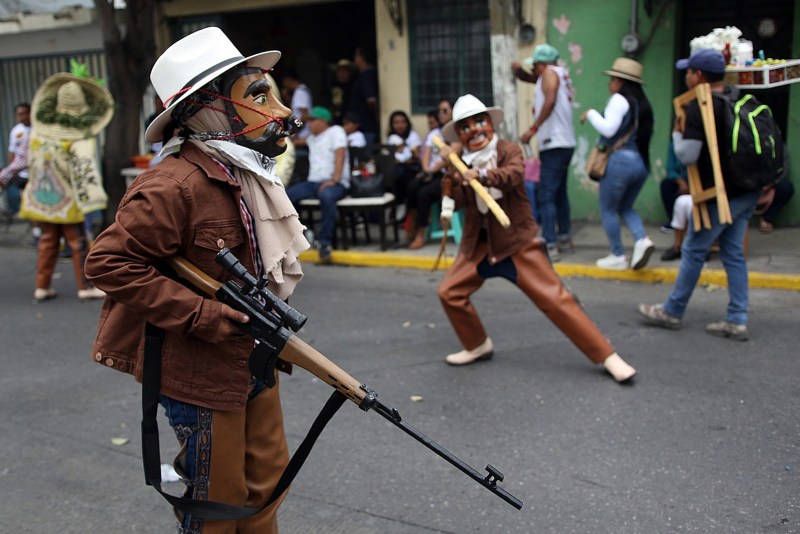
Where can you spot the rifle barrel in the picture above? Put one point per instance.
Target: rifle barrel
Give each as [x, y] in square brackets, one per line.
[487, 482]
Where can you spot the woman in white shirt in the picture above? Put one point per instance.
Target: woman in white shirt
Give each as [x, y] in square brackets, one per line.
[426, 189]
[406, 143]
[627, 120]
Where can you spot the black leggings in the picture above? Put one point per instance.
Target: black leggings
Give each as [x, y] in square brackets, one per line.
[422, 194]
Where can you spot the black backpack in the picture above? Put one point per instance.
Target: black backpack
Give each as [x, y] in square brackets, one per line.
[752, 151]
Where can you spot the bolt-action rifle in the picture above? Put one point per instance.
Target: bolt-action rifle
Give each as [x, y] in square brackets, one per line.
[272, 322]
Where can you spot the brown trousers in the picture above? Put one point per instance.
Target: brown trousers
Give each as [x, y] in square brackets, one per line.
[248, 455]
[536, 278]
[48, 253]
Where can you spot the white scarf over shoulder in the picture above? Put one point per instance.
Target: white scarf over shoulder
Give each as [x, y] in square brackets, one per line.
[485, 158]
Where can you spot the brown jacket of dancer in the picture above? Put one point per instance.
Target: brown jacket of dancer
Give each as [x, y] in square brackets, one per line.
[508, 177]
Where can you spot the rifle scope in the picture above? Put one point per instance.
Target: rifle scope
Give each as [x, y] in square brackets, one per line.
[293, 318]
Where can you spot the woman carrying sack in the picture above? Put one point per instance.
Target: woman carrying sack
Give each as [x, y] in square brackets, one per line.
[625, 128]
[65, 182]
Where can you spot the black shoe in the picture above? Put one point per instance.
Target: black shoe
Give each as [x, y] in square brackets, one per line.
[325, 253]
[672, 253]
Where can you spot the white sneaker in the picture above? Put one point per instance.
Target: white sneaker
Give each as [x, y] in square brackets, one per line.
[552, 253]
[642, 250]
[613, 263]
[484, 351]
[44, 293]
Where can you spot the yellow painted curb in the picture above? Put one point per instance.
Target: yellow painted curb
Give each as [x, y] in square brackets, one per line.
[379, 259]
[660, 275]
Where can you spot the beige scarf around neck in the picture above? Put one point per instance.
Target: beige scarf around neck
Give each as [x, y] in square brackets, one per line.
[278, 230]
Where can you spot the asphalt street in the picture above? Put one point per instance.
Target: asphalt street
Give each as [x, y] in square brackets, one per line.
[705, 440]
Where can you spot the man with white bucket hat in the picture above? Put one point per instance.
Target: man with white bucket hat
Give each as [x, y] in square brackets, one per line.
[489, 250]
[216, 187]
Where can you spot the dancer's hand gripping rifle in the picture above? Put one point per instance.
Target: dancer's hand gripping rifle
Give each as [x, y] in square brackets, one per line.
[270, 323]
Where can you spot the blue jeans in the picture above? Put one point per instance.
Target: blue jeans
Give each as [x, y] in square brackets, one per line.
[530, 188]
[625, 176]
[731, 251]
[552, 199]
[327, 205]
[14, 196]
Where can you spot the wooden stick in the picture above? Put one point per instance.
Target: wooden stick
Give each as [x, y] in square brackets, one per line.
[481, 191]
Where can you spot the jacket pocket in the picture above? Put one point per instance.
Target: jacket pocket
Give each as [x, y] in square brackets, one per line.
[208, 240]
[214, 236]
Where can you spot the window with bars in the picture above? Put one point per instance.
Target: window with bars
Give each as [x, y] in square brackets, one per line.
[450, 52]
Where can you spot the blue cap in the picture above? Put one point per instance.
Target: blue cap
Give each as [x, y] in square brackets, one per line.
[705, 60]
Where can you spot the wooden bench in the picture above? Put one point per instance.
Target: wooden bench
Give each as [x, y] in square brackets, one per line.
[352, 207]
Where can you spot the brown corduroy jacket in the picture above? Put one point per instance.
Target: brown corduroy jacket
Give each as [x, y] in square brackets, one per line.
[186, 206]
[508, 177]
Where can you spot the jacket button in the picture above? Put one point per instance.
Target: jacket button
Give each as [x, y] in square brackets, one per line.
[221, 243]
[98, 357]
[109, 362]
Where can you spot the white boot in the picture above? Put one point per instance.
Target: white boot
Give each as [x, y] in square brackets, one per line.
[617, 368]
[483, 351]
[90, 293]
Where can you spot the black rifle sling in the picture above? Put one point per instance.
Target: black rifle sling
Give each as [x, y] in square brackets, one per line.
[151, 456]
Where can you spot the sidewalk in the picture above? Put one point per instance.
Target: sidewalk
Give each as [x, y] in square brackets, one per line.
[773, 259]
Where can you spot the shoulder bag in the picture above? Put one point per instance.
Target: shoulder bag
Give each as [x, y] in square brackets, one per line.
[597, 161]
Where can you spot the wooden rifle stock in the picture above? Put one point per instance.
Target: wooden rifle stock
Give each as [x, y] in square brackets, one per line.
[481, 191]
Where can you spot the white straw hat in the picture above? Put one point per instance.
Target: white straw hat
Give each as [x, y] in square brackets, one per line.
[192, 62]
[467, 106]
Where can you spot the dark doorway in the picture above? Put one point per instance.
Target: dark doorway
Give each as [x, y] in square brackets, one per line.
[310, 37]
[767, 23]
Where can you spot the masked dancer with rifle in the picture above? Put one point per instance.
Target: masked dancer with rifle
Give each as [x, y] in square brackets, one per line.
[217, 187]
[499, 239]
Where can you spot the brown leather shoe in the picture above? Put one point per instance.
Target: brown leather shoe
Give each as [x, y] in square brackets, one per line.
[484, 351]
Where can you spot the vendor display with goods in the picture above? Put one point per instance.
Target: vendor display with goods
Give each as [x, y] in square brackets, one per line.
[744, 69]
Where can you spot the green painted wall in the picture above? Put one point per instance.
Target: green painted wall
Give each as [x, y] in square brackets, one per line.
[588, 34]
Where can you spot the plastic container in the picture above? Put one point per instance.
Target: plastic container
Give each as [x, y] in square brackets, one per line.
[744, 52]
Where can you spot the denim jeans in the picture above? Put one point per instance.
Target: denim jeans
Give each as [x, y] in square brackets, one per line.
[625, 176]
[327, 204]
[731, 250]
[552, 199]
[13, 196]
[530, 188]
